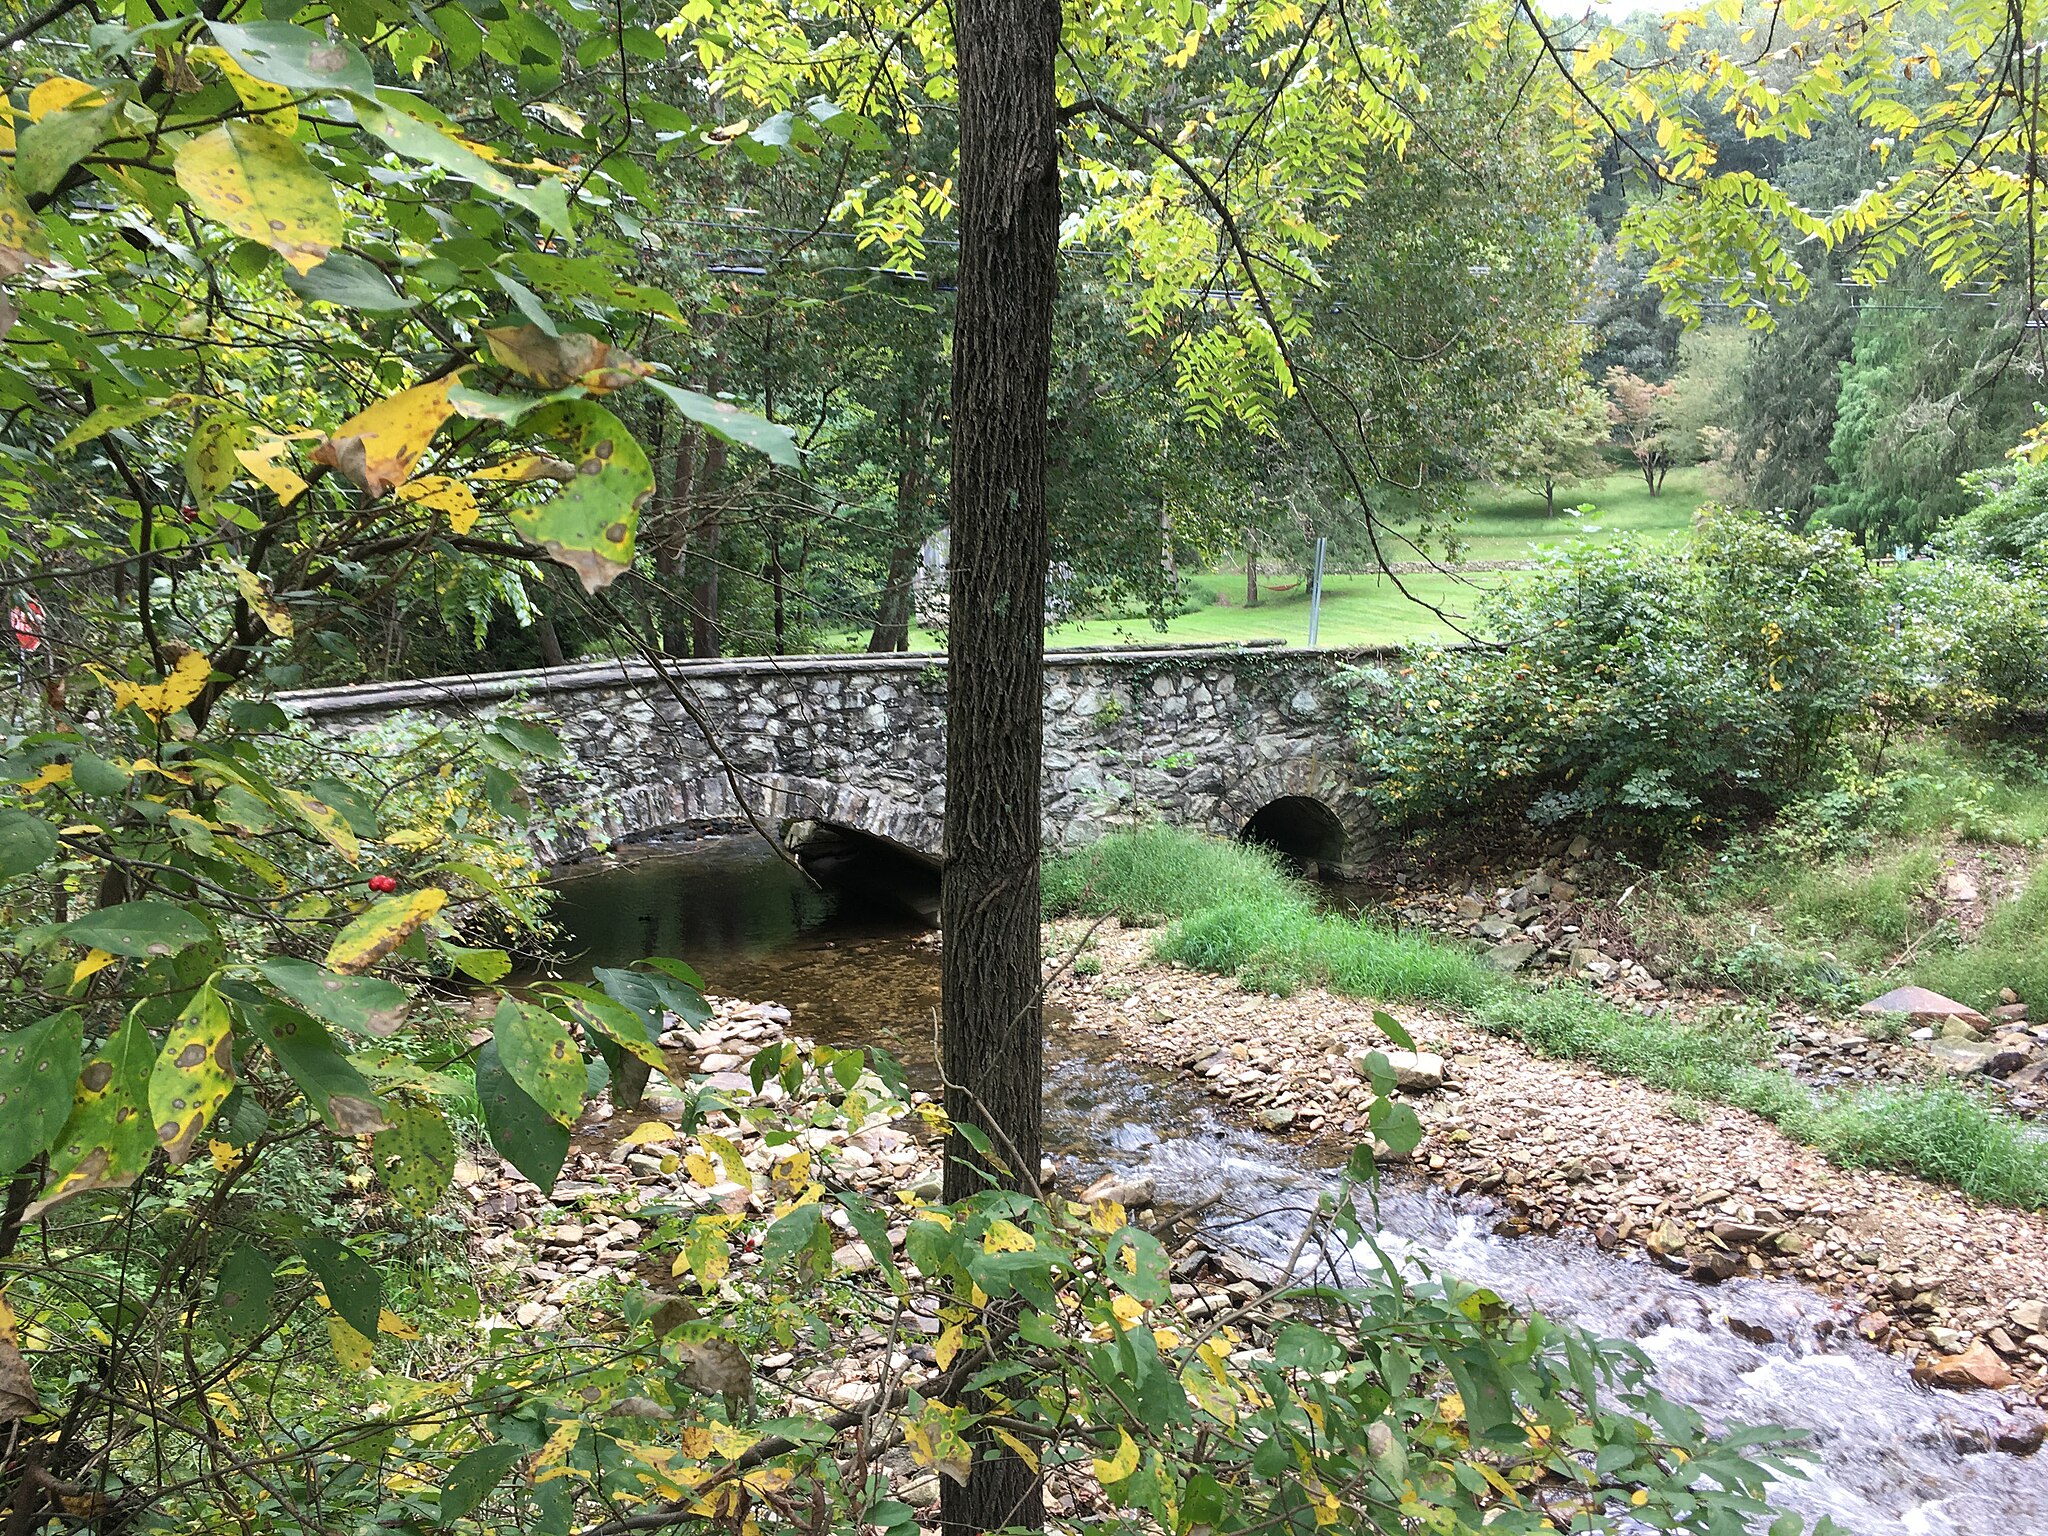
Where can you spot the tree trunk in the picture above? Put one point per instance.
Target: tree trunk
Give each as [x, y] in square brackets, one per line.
[550, 643]
[672, 550]
[704, 537]
[1251, 575]
[1166, 560]
[992, 1044]
[1550, 498]
[892, 612]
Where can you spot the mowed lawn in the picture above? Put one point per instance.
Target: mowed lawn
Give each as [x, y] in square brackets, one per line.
[1369, 609]
[1503, 524]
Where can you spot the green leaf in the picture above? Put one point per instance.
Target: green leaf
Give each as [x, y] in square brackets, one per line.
[1393, 1029]
[415, 1157]
[791, 1235]
[362, 1005]
[530, 737]
[622, 1023]
[874, 1231]
[38, 1071]
[350, 282]
[546, 200]
[354, 1288]
[108, 1138]
[484, 965]
[26, 843]
[242, 1294]
[193, 1075]
[470, 1481]
[295, 57]
[257, 183]
[531, 1139]
[51, 146]
[338, 1093]
[580, 277]
[537, 1051]
[743, 428]
[138, 929]
[588, 525]
[1401, 1130]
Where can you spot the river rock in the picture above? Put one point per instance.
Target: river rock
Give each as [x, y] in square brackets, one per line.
[1965, 1058]
[1497, 928]
[1132, 1194]
[1921, 1006]
[2030, 1316]
[1976, 1367]
[1414, 1071]
[1512, 956]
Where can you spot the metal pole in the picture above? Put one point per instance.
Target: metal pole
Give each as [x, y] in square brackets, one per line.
[1315, 594]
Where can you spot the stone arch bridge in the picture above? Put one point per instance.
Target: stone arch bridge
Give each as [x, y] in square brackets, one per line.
[1257, 741]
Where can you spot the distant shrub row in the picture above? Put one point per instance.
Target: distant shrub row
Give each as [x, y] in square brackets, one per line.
[1659, 692]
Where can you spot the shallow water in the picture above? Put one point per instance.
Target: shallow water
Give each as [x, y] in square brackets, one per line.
[1895, 1458]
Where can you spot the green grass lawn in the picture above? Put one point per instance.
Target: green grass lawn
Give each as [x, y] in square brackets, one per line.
[1505, 523]
[1502, 524]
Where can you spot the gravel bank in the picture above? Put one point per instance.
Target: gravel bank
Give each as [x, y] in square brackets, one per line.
[1961, 1288]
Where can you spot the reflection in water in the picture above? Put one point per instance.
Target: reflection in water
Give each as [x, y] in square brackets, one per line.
[1896, 1460]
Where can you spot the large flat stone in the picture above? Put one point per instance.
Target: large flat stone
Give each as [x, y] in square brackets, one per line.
[1921, 1006]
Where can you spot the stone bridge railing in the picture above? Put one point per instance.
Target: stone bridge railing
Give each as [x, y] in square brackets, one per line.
[1196, 736]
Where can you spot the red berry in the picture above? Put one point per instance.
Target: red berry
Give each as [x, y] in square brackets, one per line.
[383, 885]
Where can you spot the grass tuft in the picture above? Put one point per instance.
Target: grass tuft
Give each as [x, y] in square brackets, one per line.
[1154, 874]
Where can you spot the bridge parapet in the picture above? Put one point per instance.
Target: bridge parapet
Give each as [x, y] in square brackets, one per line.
[1198, 736]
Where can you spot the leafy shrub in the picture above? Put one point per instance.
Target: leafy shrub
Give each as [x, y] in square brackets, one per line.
[1651, 690]
[1661, 692]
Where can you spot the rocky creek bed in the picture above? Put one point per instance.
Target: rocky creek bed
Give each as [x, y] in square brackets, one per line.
[1959, 1288]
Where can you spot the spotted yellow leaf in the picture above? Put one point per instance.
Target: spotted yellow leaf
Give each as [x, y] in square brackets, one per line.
[48, 774]
[653, 1133]
[1007, 1237]
[273, 103]
[350, 1348]
[58, 93]
[266, 461]
[381, 929]
[256, 182]
[185, 682]
[444, 494]
[193, 1075]
[552, 1460]
[379, 447]
[261, 603]
[390, 1322]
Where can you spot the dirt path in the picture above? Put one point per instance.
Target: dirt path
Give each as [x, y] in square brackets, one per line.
[1567, 1149]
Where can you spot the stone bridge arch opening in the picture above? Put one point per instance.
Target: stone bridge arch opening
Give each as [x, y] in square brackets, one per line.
[866, 864]
[1302, 830]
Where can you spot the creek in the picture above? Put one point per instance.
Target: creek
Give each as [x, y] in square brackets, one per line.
[854, 964]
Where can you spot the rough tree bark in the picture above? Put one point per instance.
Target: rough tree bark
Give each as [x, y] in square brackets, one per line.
[992, 1040]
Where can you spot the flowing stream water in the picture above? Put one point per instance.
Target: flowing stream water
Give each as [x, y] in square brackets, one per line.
[1896, 1459]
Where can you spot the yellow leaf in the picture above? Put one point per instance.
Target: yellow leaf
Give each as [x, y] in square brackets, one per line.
[273, 103]
[58, 93]
[379, 447]
[381, 929]
[443, 493]
[552, 1460]
[187, 680]
[791, 1173]
[1030, 1457]
[328, 822]
[350, 1348]
[266, 463]
[701, 1169]
[1640, 1497]
[95, 961]
[1007, 1237]
[532, 466]
[258, 184]
[261, 603]
[390, 1322]
[1122, 1464]
[1128, 1309]
[728, 1155]
[948, 1345]
[51, 773]
[226, 1158]
[1106, 1216]
[652, 1134]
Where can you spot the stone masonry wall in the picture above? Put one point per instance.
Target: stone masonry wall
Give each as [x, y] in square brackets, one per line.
[1198, 737]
